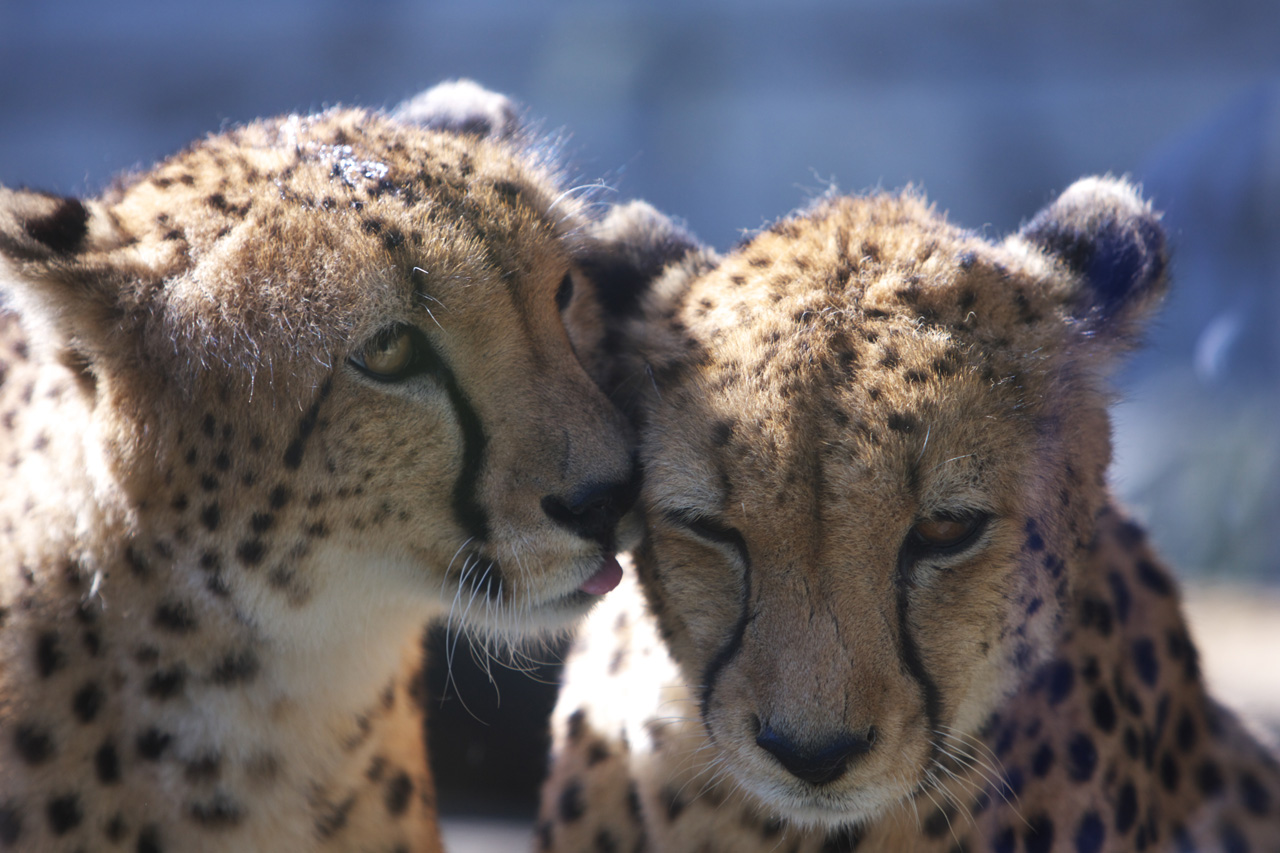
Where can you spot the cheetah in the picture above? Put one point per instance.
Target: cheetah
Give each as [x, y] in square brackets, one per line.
[268, 409]
[885, 600]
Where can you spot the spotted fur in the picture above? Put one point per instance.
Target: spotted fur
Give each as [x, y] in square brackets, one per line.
[220, 537]
[799, 667]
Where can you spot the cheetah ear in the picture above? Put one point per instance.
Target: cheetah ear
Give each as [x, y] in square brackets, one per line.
[462, 107]
[628, 250]
[1104, 233]
[58, 273]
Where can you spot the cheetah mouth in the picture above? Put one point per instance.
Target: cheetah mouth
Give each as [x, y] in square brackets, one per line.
[606, 578]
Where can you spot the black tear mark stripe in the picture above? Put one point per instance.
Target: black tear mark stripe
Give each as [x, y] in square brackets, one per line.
[732, 537]
[293, 453]
[910, 652]
[467, 510]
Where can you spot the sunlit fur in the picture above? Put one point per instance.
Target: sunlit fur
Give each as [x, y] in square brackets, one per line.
[222, 536]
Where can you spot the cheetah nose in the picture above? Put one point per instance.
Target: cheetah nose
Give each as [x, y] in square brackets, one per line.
[592, 511]
[821, 763]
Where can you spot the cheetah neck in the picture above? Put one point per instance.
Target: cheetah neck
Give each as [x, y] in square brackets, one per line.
[218, 714]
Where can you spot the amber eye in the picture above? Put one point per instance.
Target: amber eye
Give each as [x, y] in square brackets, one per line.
[945, 533]
[389, 355]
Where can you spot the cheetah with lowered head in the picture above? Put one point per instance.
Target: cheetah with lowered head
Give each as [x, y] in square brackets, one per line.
[886, 601]
[267, 409]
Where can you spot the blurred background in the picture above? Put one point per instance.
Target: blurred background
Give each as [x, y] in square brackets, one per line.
[728, 115]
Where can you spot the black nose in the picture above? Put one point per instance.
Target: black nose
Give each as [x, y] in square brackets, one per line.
[592, 511]
[821, 763]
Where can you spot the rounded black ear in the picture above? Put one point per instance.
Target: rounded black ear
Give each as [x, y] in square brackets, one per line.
[40, 226]
[1109, 237]
[463, 107]
[627, 250]
[61, 274]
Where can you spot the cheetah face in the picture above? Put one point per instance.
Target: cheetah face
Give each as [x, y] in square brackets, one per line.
[873, 444]
[348, 356]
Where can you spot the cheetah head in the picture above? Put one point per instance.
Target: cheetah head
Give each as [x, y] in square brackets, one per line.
[873, 445]
[348, 354]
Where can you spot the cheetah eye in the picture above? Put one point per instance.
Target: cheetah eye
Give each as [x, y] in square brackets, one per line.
[393, 354]
[947, 534]
[710, 529]
[564, 293]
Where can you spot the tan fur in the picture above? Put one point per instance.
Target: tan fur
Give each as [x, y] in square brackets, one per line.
[221, 539]
[803, 404]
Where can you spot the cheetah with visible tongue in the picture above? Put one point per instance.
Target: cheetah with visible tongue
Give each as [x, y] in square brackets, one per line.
[267, 409]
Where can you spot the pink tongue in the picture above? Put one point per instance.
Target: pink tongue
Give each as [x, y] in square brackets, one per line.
[605, 579]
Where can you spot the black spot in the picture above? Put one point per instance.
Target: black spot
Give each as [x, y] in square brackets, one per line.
[1090, 833]
[1082, 757]
[1144, 658]
[1061, 678]
[149, 840]
[903, 423]
[675, 804]
[106, 764]
[235, 668]
[34, 745]
[1120, 595]
[334, 819]
[1042, 761]
[605, 842]
[399, 789]
[843, 840]
[570, 806]
[206, 768]
[262, 522]
[10, 823]
[1233, 841]
[251, 551]
[937, 824]
[166, 683]
[64, 814]
[279, 497]
[88, 701]
[152, 743]
[1185, 732]
[1104, 710]
[62, 230]
[1169, 772]
[721, 432]
[176, 616]
[49, 656]
[219, 812]
[1005, 841]
[222, 461]
[116, 828]
[1126, 808]
[392, 239]
[210, 516]
[1038, 835]
[1154, 578]
[1256, 798]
